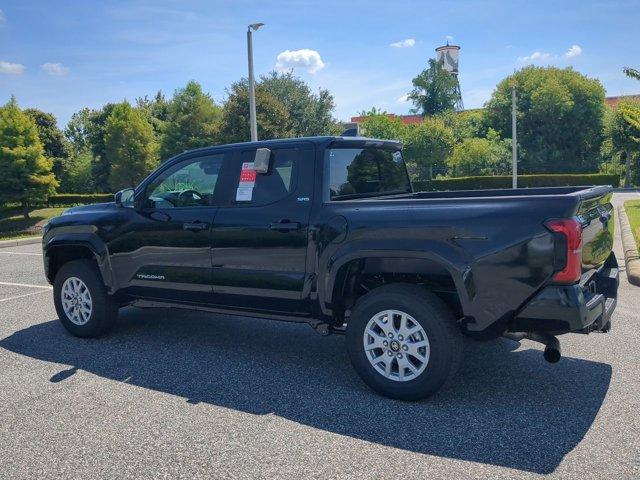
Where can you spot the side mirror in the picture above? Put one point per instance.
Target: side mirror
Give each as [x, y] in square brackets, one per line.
[124, 198]
[262, 160]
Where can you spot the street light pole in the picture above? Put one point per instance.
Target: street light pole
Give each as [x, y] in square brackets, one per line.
[253, 126]
[514, 139]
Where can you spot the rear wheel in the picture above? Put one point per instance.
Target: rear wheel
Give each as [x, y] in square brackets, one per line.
[82, 303]
[403, 341]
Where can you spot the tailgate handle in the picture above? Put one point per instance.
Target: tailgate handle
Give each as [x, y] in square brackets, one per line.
[284, 226]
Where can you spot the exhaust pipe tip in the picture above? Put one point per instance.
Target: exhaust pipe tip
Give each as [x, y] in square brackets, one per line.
[552, 355]
[552, 352]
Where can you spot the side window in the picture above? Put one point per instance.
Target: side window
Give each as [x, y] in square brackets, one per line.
[187, 184]
[275, 185]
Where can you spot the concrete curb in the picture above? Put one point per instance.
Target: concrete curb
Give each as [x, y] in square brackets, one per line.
[631, 257]
[20, 241]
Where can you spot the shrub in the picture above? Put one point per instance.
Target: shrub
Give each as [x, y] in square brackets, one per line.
[524, 181]
[481, 156]
[69, 199]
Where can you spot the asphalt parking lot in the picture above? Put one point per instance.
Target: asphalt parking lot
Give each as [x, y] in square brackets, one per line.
[177, 394]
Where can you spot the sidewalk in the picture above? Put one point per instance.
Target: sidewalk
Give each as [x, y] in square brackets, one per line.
[618, 203]
[20, 241]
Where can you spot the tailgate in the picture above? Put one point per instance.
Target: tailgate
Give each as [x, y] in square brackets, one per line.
[596, 215]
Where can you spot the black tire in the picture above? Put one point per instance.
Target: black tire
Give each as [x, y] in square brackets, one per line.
[104, 310]
[439, 324]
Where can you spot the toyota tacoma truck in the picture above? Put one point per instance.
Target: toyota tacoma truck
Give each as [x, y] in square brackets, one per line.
[329, 231]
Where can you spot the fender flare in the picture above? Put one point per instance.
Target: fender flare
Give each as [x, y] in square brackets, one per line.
[457, 266]
[88, 240]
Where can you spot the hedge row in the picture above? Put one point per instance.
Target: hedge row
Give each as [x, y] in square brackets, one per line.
[456, 183]
[524, 181]
[68, 199]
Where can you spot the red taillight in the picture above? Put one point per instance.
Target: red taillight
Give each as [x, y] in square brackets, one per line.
[571, 229]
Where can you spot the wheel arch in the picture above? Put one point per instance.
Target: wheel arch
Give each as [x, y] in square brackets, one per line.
[418, 265]
[60, 250]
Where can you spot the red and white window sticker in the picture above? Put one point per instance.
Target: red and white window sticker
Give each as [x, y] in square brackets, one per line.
[248, 174]
[244, 193]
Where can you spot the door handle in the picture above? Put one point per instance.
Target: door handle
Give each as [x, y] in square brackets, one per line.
[284, 226]
[195, 226]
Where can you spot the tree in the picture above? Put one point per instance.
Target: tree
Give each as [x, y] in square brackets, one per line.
[86, 130]
[467, 124]
[26, 173]
[272, 117]
[156, 110]
[101, 168]
[378, 124]
[434, 90]
[78, 177]
[85, 133]
[622, 130]
[560, 114]
[130, 146]
[481, 156]
[77, 130]
[427, 145]
[193, 120]
[310, 113]
[631, 72]
[52, 138]
[53, 141]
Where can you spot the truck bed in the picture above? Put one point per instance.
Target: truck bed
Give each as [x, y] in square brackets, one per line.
[580, 191]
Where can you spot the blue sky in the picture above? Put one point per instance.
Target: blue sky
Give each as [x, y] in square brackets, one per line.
[63, 55]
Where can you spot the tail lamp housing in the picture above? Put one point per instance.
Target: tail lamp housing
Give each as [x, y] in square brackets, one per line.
[569, 232]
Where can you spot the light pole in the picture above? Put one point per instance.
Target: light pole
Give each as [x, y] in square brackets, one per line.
[253, 126]
[514, 139]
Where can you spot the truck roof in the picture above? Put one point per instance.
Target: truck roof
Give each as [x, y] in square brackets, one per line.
[321, 141]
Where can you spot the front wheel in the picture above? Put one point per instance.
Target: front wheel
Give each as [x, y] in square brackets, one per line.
[82, 302]
[403, 341]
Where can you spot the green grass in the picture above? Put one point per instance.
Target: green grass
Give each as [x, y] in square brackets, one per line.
[632, 207]
[14, 225]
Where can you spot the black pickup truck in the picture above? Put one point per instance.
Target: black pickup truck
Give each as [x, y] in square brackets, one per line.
[329, 231]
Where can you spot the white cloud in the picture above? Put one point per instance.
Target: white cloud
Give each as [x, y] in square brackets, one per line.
[449, 38]
[574, 51]
[543, 57]
[304, 58]
[404, 99]
[56, 69]
[1, 16]
[11, 68]
[535, 57]
[408, 43]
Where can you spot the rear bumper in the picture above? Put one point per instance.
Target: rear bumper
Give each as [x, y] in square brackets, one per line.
[583, 307]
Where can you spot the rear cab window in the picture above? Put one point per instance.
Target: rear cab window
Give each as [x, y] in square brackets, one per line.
[365, 172]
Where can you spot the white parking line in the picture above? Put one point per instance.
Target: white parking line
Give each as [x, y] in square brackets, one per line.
[20, 296]
[27, 285]
[21, 253]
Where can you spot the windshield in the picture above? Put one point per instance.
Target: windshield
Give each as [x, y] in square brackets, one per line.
[366, 172]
